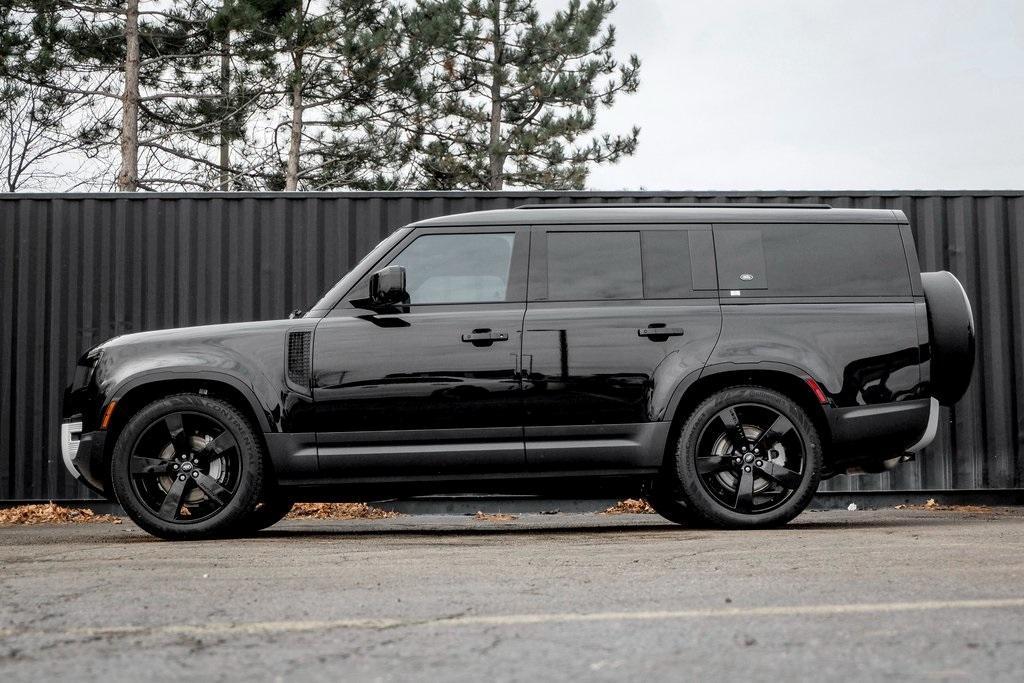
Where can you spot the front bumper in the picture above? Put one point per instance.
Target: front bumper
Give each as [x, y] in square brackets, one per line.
[83, 453]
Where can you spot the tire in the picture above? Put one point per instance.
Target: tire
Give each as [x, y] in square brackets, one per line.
[667, 503]
[747, 458]
[950, 336]
[268, 513]
[188, 467]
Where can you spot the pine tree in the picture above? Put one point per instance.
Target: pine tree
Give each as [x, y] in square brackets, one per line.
[514, 98]
[208, 136]
[36, 124]
[155, 79]
[344, 72]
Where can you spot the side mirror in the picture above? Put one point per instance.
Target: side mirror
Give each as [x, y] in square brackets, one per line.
[387, 287]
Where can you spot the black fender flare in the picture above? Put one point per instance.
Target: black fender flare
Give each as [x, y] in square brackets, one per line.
[261, 411]
[688, 382]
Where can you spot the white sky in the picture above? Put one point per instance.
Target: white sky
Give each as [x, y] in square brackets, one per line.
[821, 94]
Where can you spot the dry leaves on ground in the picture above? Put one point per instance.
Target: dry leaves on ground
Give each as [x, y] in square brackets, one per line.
[630, 506]
[493, 517]
[966, 509]
[51, 513]
[338, 511]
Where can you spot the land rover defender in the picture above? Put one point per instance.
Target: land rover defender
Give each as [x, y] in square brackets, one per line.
[718, 360]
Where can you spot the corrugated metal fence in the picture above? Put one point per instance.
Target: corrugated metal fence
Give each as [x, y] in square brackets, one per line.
[77, 269]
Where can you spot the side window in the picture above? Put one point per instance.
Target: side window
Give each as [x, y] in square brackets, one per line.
[464, 268]
[813, 260]
[740, 255]
[678, 264]
[594, 266]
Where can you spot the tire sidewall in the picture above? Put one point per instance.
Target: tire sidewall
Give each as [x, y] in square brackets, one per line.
[700, 502]
[250, 463]
[273, 509]
[667, 504]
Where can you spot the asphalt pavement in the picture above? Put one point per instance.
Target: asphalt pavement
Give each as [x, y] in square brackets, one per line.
[836, 595]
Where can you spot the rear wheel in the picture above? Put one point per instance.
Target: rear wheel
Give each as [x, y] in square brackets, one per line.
[188, 467]
[747, 457]
[668, 503]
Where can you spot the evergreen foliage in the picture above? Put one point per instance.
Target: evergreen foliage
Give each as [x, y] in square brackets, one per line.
[316, 94]
[518, 97]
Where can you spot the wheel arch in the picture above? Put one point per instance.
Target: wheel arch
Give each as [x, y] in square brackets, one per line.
[787, 380]
[136, 393]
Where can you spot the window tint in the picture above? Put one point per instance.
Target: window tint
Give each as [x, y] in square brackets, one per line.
[442, 269]
[588, 266]
[740, 256]
[666, 264]
[814, 260]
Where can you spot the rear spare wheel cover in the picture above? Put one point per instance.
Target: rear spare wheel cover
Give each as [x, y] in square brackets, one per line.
[951, 335]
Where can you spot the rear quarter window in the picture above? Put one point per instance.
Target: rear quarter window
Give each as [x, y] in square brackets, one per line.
[812, 260]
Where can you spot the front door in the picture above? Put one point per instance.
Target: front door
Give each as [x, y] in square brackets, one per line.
[433, 388]
[618, 316]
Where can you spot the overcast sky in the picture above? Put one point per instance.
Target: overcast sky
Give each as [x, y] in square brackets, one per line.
[821, 94]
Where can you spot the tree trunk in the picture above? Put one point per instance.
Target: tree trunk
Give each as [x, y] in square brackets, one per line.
[495, 153]
[225, 89]
[291, 174]
[291, 177]
[128, 176]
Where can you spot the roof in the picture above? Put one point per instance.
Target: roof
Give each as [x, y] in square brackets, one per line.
[592, 214]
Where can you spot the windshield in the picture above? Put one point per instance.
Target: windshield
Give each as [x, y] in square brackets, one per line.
[352, 276]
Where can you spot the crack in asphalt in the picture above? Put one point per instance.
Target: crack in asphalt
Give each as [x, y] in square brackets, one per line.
[464, 620]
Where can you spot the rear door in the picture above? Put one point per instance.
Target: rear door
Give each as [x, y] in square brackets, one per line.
[616, 317]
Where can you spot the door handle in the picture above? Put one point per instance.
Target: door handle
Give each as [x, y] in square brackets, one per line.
[658, 332]
[484, 337]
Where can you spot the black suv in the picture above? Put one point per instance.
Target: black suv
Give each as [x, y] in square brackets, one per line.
[719, 360]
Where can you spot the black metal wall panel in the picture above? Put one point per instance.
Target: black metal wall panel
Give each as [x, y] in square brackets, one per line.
[77, 269]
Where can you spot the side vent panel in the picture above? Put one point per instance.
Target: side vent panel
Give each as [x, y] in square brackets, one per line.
[299, 346]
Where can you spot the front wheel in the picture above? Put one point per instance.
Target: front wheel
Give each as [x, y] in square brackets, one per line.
[747, 457]
[188, 467]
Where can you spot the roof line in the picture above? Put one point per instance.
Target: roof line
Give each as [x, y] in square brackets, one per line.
[677, 205]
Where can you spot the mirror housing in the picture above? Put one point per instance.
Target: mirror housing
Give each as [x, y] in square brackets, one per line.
[387, 287]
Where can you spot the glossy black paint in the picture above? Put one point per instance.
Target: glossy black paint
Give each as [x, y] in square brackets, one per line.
[859, 353]
[432, 397]
[248, 357]
[395, 373]
[587, 364]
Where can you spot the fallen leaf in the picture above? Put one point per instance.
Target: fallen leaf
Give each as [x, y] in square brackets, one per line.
[51, 513]
[494, 517]
[338, 511]
[630, 506]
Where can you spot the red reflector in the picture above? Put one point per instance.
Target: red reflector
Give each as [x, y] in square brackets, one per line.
[818, 393]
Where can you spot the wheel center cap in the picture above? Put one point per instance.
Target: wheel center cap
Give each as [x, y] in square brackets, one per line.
[186, 467]
[749, 457]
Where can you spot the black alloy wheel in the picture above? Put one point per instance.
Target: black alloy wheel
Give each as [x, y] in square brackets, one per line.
[185, 467]
[750, 458]
[747, 457]
[188, 466]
